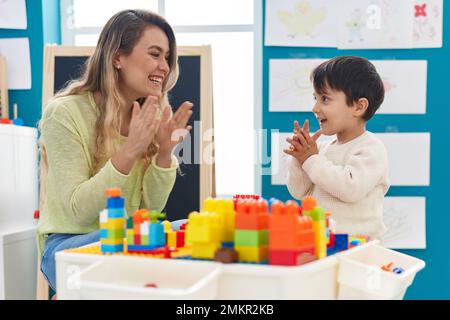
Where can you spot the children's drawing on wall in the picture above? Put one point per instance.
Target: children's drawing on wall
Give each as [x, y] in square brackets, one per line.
[403, 94]
[404, 218]
[290, 87]
[427, 30]
[301, 23]
[375, 24]
[13, 14]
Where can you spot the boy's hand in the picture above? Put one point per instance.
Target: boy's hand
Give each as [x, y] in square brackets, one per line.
[302, 145]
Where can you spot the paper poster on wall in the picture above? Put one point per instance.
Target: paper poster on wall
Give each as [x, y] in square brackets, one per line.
[17, 54]
[13, 14]
[405, 220]
[280, 160]
[303, 23]
[291, 90]
[290, 87]
[427, 28]
[375, 24]
[409, 158]
[404, 94]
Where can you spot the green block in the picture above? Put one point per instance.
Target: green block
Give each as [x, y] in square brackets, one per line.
[116, 233]
[130, 223]
[317, 214]
[250, 238]
[145, 240]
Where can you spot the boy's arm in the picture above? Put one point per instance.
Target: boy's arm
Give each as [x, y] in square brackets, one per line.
[298, 182]
[354, 180]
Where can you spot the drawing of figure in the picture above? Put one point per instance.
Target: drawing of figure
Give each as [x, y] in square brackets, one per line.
[355, 25]
[303, 21]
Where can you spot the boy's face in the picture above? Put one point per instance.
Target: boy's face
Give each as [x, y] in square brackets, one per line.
[334, 115]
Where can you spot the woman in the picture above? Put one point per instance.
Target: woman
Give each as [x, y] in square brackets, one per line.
[111, 128]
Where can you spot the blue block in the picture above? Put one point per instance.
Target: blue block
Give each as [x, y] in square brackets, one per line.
[156, 235]
[108, 248]
[103, 233]
[228, 245]
[113, 203]
[116, 212]
[331, 251]
[143, 248]
[341, 242]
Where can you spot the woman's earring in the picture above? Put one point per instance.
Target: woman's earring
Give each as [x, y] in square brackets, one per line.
[118, 67]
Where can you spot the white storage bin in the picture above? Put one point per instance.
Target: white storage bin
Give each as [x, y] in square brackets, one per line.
[315, 280]
[120, 277]
[361, 276]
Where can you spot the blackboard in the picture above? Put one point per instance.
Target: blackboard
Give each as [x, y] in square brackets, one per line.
[195, 180]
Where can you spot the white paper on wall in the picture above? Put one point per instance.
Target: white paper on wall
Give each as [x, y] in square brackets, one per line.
[290, 87]
[18, 64]
[375, 24]
[305, 23]
[13, 14]
[291, 90]
[405, 84]
[405, 218]
[409, 158]
[427, 28]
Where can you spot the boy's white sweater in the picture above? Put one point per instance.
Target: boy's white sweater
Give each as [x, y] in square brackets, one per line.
[350, 180]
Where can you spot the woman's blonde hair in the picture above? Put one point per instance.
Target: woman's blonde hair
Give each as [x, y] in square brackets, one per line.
[120, 35]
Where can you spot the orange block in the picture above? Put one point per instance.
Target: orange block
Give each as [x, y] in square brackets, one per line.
[252, 215]
[113, 192]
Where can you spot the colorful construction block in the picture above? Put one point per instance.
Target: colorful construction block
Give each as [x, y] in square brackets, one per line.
[251, 238]
[252, 254]
[291, 257]
[204, 250]
[252, 215]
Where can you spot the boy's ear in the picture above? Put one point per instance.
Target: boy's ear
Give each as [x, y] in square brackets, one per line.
[360, 107]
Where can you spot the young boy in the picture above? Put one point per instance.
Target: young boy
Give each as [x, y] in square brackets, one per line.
[349, 174]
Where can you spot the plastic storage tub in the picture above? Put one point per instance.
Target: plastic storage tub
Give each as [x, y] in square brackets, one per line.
[361, 277]
[124, 278]
[315, 280]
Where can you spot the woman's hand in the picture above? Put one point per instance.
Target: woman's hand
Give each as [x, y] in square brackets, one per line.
[144, 124]
[172, 130]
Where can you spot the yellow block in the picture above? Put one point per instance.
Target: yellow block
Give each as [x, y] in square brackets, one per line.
[167, 226]
[115, 223]
[320, 238]
[252, 254]
[204, 227]
[204, 250]
[111, 241]
[172, 239]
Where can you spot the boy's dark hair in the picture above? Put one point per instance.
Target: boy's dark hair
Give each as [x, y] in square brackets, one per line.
[355, 76]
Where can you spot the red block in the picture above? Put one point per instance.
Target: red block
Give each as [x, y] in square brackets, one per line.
[291, 257]
[180, 239]
[137, 240]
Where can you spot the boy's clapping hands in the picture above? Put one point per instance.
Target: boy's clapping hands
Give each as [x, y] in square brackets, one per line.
[302, 145]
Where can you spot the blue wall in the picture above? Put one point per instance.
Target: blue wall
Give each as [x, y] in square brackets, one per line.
[29, 101]
[434, 281]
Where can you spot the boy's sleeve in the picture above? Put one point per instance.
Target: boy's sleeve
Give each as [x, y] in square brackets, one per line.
[298, 182]
[157, 184]
[365, 169]
[80, 195]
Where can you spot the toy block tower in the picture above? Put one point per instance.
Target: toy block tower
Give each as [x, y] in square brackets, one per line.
[251, 237]
[310, 209]
[291, 236]
[225, 209]
[144, 232]
[203, 232]
[112, 222]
